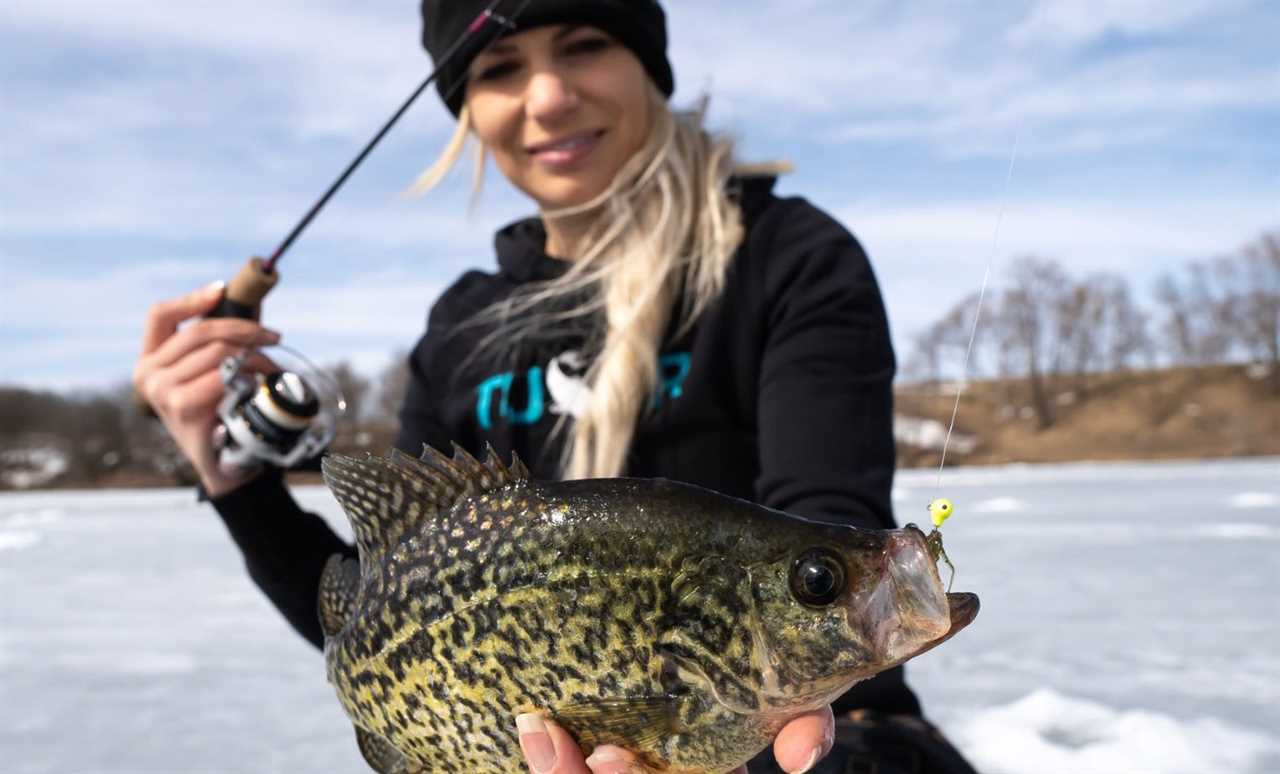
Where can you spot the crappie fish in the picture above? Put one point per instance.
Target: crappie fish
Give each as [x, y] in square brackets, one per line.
[679, 623]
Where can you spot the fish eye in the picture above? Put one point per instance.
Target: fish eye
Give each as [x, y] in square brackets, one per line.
[817, 577]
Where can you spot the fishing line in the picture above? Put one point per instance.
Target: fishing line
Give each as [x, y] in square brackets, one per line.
[973, 333]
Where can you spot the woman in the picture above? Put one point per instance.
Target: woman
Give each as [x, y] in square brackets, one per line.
[665, 315]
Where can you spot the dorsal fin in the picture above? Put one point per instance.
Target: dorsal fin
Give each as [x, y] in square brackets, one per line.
[387, 497]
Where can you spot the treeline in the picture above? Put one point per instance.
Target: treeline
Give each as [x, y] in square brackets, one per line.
[95, 438]
[1058, 334]
[1047, 334]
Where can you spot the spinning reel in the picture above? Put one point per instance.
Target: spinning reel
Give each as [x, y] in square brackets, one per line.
[279, 417]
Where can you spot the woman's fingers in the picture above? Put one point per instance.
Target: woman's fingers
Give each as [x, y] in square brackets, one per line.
[163, 317]
[548, 748]
[245, 333]
[805, 740]
[260, 364]
[194, 399]
[608, 759]
[207, 358]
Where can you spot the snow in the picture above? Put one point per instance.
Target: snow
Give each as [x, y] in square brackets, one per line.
[1000, 505]
[1129, 620]
[24, 468]
[1065, 735]
[1256, 499]
[929, 434]
[16, 540]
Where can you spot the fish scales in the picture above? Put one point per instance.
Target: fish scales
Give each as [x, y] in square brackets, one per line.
[632, 611]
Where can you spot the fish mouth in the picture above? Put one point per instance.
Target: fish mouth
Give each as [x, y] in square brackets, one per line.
[963, 608]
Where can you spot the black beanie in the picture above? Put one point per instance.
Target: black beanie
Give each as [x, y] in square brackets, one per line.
[640, 25]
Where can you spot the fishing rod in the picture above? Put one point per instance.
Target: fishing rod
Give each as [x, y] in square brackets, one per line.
[286, 415]
[258, 276]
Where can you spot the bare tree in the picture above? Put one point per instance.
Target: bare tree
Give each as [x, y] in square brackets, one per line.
[1100, 328]
[1076, 315]
[87, 429]
[1126, 341]
[393, 384]
[1031, 328]
[1251, 301]
[1192, 324]
[939, 349]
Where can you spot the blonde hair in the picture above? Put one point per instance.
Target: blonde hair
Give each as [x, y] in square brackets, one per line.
[660, 240]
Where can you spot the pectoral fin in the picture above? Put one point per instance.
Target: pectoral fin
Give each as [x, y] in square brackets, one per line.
[637, 724]
[339, 583]
[380, 755]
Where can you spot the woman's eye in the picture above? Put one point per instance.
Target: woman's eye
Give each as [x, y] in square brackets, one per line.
[496, 71]
[586, 46]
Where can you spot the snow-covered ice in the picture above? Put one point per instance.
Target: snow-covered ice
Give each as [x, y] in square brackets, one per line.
[1256, 499]
[999, 505]
[16, 540]
[1049, 733]
[1129, 621]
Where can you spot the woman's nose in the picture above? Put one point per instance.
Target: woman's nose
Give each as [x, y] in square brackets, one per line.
[549, 96]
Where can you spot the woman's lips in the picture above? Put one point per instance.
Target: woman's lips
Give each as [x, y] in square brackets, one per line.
[568, 150]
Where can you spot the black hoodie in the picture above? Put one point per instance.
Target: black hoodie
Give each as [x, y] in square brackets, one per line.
[780, 394]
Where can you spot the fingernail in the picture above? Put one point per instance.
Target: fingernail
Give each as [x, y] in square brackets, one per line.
[813, 759]
[536, 742]
[608, 761]
[216, 287]
[270, 335]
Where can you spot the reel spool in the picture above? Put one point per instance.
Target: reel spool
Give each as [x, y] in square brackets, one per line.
[280, 417]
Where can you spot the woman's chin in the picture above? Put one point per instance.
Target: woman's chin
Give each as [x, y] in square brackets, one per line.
[566, 193]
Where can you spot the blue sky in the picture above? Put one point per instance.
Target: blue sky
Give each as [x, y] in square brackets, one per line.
[150, 147]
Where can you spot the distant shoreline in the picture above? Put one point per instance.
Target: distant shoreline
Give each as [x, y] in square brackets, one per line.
[1219, 412]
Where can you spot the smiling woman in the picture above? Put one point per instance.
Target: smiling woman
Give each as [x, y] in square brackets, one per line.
[629, 193]
[665, 315]
[561, 109]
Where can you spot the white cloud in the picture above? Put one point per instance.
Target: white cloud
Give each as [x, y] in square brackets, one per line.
[1110, 106]
[327, 69]
[819, 57]
[1051, 22]
[1092, 234]
[188, 126]
[961, 81]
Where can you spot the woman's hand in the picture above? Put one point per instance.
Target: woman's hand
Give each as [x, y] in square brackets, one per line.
[177, 375]
[548, 748]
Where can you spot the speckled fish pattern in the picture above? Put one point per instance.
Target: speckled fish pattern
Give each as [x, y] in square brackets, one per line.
[646, 613]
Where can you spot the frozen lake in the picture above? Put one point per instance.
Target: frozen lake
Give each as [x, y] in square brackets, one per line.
[1129, 624]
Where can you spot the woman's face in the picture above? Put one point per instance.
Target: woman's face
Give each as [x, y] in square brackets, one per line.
[561, 108]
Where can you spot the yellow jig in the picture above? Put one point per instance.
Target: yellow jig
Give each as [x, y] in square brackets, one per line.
[940, 509]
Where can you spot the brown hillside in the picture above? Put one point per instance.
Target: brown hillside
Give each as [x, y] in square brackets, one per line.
[1219, 411]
